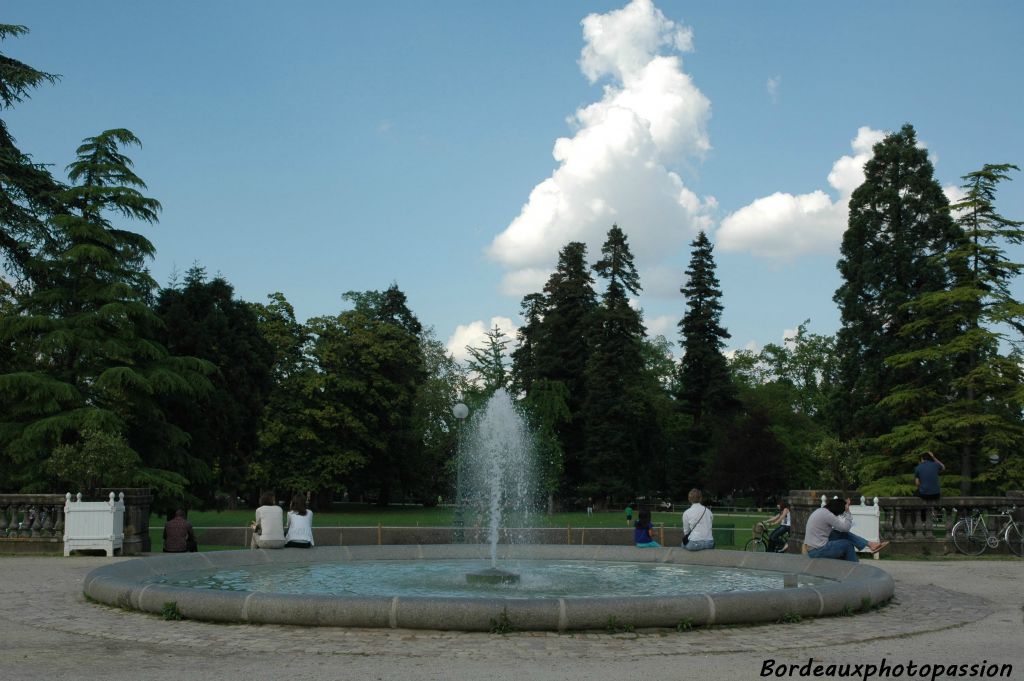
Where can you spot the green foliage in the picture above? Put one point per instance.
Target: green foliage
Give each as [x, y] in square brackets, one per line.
[977, 409]
[371, 366]
[86, 341]
[99, 459]
[488, 364]
[26, 188]
[685, 624]
[614, 626]
[502, 624]
[170, 611]
[615, 408]
[705, 391]
[202, 318]
[894, 250]
[433, 474]
[561, 346]
[790, 618]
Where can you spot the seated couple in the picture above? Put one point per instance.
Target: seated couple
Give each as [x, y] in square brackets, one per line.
[828, 533]
[268, 528]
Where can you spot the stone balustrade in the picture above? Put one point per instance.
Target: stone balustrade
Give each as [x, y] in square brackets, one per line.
[31, 523]
[910, 524]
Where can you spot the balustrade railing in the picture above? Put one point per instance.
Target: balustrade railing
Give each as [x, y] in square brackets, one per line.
[31, 522]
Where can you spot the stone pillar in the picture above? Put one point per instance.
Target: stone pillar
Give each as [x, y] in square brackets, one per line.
[137, 501]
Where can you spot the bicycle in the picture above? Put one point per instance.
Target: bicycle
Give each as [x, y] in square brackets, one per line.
[759, 542]
[972, 537]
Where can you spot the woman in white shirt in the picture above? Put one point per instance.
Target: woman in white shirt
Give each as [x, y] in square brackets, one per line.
[697, 524]
[300, 524]
[268, 528]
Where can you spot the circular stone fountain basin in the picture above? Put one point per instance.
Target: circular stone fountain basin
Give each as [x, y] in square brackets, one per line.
[354, 586]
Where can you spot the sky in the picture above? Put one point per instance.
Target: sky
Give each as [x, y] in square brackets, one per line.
[455, 147]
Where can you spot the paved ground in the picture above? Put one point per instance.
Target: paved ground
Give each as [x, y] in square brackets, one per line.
[947, 613]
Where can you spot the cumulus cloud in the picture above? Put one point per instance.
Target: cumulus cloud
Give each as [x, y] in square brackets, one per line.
[616, 167]
[782, 226]
[474, 335]
[773, 87]
[663, 325]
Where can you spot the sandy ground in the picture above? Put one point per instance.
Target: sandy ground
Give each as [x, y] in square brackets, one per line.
[948, 613]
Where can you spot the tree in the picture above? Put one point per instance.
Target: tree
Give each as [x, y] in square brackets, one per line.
[978, 415]
[488, 363]
[614, 408]
[27, 190]
[96, 361]
[524, 361]
[705, 386]
[372, 366]
[296, 451]
[562, 348]
[203, 319]
[434, 473]
[894, 250]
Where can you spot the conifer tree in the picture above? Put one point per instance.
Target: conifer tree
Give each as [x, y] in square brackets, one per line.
[705, 392]
[614, 408]
[979, 416]
[562, 348]
[97, 365]
[524, 363]
[202, 318]
[705, 384]
[27, 190]
[894, 250]
[489, 363]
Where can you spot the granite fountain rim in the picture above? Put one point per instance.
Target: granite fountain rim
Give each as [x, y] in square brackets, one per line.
[130, 584]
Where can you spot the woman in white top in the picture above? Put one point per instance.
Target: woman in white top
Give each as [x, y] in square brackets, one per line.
[300, 524]
[268, 528]
[777, 541]
[697, 524]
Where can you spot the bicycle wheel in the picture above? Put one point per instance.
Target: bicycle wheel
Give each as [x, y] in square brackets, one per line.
[756, 545]
[1015, 538]
[970, 537]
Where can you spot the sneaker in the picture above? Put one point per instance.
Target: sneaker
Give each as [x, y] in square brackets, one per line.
[785, 547]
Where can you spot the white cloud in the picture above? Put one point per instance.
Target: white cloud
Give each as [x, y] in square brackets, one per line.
[783, 226]
[751, 346]
[615, 168]
[773, 88]
[662, 326]
[474, 335]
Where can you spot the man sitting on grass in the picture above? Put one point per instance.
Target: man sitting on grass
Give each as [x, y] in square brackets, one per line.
[828, 533]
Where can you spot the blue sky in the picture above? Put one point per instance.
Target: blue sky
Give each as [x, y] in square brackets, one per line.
[319, 147]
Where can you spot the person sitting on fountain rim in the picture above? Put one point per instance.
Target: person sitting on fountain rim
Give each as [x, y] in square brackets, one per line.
[697, 521]
[642, 531]
[268, 528]
[828, 535]
[300, 524]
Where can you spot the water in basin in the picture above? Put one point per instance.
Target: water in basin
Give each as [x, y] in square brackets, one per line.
[446, 578]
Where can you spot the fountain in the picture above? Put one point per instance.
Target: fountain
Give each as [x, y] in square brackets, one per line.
[496, 455]
[441, 586]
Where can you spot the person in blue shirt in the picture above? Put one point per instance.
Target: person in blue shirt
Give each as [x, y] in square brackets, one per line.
[926, 477]
[642, 531]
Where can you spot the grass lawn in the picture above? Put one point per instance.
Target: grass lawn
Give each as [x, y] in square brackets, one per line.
[355, 515]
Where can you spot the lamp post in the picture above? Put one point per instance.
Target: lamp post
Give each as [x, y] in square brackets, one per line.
[460, 411]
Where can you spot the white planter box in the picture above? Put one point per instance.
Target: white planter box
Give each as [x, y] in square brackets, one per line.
[93, 524]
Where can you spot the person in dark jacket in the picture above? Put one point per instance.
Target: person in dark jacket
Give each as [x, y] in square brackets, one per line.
[179, 537]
